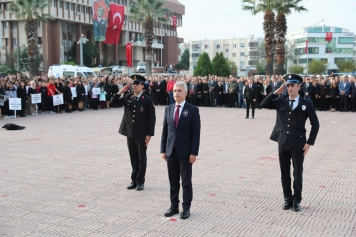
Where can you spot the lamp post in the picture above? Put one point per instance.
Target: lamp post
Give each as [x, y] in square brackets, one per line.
[82, 40]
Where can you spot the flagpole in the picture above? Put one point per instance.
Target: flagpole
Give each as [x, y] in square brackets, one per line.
[307, 58]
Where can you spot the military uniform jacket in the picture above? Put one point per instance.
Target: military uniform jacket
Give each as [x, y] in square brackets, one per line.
[139, 117]
[290, 129]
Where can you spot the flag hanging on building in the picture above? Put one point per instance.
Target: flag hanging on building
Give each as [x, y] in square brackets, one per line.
[116, 21]
[329, 36]
[100, 9]
[174, 19]
[129, 54]
[306, 46]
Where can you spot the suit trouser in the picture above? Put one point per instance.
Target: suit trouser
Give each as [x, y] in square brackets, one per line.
[212, 98]
[137, 151]
[248, 103]
[180, 168]
[285, 155]
[353, 103]
[226, 99]
[193, 99]
[343, 102]
[232, 100]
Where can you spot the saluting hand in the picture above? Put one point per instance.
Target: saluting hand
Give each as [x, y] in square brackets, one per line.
[306, 148]
[124, 89]
[280, 90]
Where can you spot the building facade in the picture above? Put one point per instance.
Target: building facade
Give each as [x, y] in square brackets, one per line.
[244, 52]
[341, 47]
[73, 19]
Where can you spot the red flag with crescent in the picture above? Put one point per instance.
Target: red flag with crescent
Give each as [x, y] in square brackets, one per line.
[116, 21]
[129, 54]
[174, 19]
[329, 36]
[306, 46]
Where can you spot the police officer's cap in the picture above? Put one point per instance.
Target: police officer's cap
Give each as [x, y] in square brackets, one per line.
[293, 78]
[138, 79]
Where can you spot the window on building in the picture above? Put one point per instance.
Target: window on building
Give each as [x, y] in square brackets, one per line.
[69, 28]
[87, 10]
[60, 4]
[227, 50]
[4, 24]
[346, 40]
[299, 41]
[252, 62]
[242, 54]
[233, 55]
[14, 41]
[39, 40]
[14, 24]
[66, 5]
[234, 46]
[311, 50]
[64, 43]
[218, 46]
[343, 50]
[336, 60]
[253, 44]
[314, 30]
[338, 30]
[39, 24]
[326, 29]
[71, 6]
[242, 45]
[206, 46]
[64, 28]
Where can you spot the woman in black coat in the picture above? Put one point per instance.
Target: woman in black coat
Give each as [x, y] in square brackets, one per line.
[333, 95]
[315, 94]
[2, 92]
[67, 96]
[80, 95]
[59, 89]
[199, 92]
[21, 93]
[219, 94]
[205, 93]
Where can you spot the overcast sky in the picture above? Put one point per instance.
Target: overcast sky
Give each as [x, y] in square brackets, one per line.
[225, 19]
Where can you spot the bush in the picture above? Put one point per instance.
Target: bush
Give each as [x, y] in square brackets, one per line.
[6, 69]
[181, 66]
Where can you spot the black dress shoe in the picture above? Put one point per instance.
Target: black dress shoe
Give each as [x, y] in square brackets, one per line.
[246, 117]
[287, 205]
[253, 117]
[185, 214]
[296, 207]
[171, 211]
[140, 187]
[132, 186]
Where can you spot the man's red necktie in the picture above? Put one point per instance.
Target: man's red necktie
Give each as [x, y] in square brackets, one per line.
[176, 116]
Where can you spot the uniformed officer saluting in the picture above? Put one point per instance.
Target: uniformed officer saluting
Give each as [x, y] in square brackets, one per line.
[138, 125]
[289, 131]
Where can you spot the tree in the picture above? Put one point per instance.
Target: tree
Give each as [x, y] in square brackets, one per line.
[90, 51]
[261, 68]
[31, 11]
[317, 67]
[232, 66]
[266, 6]
[296, 69]
[21, 56]
[283, 8]
[181, 66]
[204, 67]
[148, 13]
[346, 66]
[185, 59]
[220, 66]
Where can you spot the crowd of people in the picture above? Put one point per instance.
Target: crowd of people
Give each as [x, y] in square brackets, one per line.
[329, 93]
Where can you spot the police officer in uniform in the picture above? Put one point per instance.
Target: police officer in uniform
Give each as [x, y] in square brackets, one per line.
[290, 133]
[138, 125]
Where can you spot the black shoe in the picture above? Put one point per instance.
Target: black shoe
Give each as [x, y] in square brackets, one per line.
[246, 117]
[171, 211]
[287, 205]
[140, 187]
[132, 186]
[253, 117]
[185, 214]
[296, 207]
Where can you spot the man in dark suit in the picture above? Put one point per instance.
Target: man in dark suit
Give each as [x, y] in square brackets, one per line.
[344, 89]
[179, 147]
[275, 84]
[258, 86]
[212, 83]
[307, 89]
[138, 125]
[193, 92]
[163, 91]
[290, 133]
[353, 94]
[250, 97]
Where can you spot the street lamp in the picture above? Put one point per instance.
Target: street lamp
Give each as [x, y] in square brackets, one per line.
[82, 40]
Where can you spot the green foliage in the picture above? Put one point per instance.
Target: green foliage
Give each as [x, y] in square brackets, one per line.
[261, 68]
[69, 63]
[296, 69]
[220, 65]
[143, 9]
[24, 64]
[232, 66]
[185, 59]
[90, 51]
[317, 67]
[204, 67]
[182, 66]
[7, 69]
[346, 66]
[30, 9]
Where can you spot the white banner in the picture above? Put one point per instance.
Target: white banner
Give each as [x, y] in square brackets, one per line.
[74, 91]
[36, 98]
[58, 99]
[15, 103]
[96, 91]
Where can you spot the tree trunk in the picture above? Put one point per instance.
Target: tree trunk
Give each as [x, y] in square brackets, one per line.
[268, 27]
[31, 35]
[149, 35]
[281, 31]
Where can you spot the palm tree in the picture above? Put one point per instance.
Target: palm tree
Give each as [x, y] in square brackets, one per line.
[283, 8]
[266, 6]
[30, 10]
[148, 13]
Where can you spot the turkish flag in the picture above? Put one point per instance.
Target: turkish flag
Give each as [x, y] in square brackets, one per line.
[129, 54]
[174, 19]
[306, 47]
[116, 21]
[329, 36]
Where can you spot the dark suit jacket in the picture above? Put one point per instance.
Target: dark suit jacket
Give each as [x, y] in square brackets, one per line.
[186, 136]
[293, 135]
[273, 88]
[308, 89]
[353, 89]
[250, 94]
[163, 86]
[139, 117]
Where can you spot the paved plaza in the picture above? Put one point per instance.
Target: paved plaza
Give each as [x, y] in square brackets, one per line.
[66, 175]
